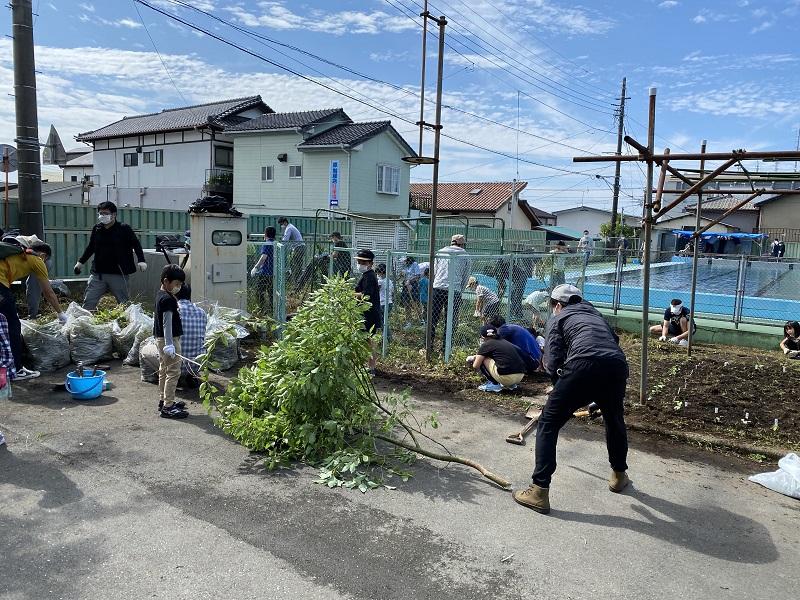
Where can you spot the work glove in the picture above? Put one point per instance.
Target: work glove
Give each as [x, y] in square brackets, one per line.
[62, 318]
[476, 314]
[786, 351]
[663, 338]
[470, 359]
[674, 340]
[169, 350]
[78, 267]
[253, 272]
[142, 266]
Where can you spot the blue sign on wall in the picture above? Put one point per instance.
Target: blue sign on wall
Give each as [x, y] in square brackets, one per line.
[333, 187]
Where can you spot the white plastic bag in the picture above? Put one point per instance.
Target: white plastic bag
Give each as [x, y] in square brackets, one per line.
[149, 360]
[126, 339]
[786, 480]
[46, 346]
[89, 342]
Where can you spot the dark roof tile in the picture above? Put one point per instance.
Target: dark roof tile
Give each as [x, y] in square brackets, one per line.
[289, 120]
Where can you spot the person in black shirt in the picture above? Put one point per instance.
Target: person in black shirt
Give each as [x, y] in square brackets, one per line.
[167, 329]
[675, 326]
[498, 360]
[341, 258]
[113, 245]
[368, 289]
[790, 345]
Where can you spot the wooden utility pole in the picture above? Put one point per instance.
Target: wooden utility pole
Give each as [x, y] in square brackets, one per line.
[620, 132]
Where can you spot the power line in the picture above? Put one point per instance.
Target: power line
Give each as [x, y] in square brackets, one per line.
[369, 103]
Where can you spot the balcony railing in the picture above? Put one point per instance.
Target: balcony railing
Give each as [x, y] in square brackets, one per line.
[219, 181]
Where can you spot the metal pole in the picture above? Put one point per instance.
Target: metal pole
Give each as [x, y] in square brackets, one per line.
[5, 202]
[618, 165]
[29, 179]
[646, 231]
[435, 189]
[425, 14]
[696, 253]
[740, 284]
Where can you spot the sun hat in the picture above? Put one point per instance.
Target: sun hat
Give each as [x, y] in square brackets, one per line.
[562, 293]
[365, 255]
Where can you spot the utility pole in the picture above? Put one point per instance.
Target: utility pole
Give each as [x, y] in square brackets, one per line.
[647, 228]
[620, 131]
[29, 177]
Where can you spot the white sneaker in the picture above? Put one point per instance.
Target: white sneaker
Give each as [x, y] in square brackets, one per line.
[2, 438]
[683, 343]
[491, 387]
[24, 374]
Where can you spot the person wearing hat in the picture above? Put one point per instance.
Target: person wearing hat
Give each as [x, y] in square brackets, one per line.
[341, 258]
[487, 304]
[409, 293]
[369, 290]
[498, 360]
[453, 257]
[586, 364]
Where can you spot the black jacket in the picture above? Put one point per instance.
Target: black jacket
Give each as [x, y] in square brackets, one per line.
[113, 249]
[579, 331]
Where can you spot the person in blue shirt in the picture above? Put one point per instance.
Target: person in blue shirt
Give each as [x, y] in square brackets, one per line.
[262, 272]
[423, 291]
[521, 338]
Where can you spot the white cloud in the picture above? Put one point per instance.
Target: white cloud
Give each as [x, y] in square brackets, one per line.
[762, 27]
[749, 101]
[52, 6]
[759, 12]
[699, 19]
[87, 7]
[129, 23]
[668, 4]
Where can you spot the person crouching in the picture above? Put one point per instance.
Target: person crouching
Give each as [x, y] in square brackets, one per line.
[498, 360]
[167, 329]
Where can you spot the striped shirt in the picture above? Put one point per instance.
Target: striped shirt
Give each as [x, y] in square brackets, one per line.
[194, 321]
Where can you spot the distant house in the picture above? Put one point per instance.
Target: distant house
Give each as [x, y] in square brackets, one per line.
[54, 192]
[296, 163]
[480, 202]
[688, 222]
[170, 158]
[581, 218]
[780, 215]
[544, 217]
[745, 219]
[79, 167]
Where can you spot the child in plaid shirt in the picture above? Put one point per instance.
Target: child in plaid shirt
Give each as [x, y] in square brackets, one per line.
[7, 371]
[194, 321]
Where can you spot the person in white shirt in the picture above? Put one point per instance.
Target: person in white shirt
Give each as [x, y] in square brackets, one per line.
[586, 246]
[453, 256]
[297, 247]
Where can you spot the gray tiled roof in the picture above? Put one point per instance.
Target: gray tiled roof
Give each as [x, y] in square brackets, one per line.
[217, 114]
[289, 120]
[353, 134]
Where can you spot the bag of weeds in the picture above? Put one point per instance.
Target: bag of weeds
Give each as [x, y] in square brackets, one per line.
[148, 360]
[227, 334]
[89, 342]
[46, 347]
[126, 337]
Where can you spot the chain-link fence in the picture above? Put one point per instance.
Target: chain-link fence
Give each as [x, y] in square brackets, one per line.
[469, 290]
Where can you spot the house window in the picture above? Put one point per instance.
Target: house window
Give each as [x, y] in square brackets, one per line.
[148, 157]
[295, 171]
[268, 173]
[74, 178]
[388, 179]
[159, 158]
[130, 159]
[223, 156]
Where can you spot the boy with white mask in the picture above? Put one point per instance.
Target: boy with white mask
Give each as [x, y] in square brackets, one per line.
[168, 329]
[675, 326]
[113, 245]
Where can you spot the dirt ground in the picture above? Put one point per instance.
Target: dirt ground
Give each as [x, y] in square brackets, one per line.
[724, 392]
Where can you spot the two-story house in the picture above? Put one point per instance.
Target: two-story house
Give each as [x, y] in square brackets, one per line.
[170, 158]
[296, 163]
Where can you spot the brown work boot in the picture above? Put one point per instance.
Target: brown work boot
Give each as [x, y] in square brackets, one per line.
[535, 497]
[618, 481]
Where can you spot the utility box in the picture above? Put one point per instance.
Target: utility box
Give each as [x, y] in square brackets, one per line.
[219, 259]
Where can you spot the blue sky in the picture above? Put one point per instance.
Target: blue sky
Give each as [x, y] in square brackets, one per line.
[726, 71]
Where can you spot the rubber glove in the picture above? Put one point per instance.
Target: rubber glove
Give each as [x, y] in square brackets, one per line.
[663, 338]
[142, 266]
[470, 359]
[78, 267]
[253, 272]
[786, 351]
[169, 350]
[674, 340]
[62, 318]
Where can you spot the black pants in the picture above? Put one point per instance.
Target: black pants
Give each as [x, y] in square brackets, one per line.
[8, 308]
[583, 381]
[440, 298]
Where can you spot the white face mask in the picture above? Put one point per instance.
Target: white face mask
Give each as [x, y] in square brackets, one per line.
[676, 309]
[104, 219]
[176, 288]
[363, 268]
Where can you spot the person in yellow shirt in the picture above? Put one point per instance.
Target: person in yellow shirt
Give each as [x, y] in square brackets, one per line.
[14, 268]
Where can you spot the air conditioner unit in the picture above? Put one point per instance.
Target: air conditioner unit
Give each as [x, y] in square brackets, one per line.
[283, 157]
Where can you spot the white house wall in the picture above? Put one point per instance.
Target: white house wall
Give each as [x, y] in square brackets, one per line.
[579, 220]
[365, 199]
[78, 172]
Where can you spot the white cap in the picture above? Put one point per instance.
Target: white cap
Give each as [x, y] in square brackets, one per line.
[562, 293]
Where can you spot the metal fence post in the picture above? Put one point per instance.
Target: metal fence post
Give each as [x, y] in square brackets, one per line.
[388, 285]
[448, 332]
[509, 287]
[617, 281]
[279, 283]
[741, 276]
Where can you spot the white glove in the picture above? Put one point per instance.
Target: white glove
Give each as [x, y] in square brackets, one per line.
[476, 314]
[169, 350]
[62, 318]
[78, 267]
[786, 351]
[470, 359]
[663, 338]
[674, 340]
[253, 272]
[142, 266]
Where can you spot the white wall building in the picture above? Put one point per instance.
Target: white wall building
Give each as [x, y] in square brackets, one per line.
[79, 168]
[580, 218]
[168, 159]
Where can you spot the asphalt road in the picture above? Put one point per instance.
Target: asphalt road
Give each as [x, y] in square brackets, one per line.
[106, 500]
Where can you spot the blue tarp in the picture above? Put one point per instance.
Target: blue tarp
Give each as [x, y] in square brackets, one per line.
[713, 237]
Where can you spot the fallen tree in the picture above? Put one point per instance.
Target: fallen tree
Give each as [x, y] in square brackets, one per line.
[309, 398]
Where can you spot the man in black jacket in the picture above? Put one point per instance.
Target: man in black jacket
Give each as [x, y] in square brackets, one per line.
[586, 364]
[113, 245]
